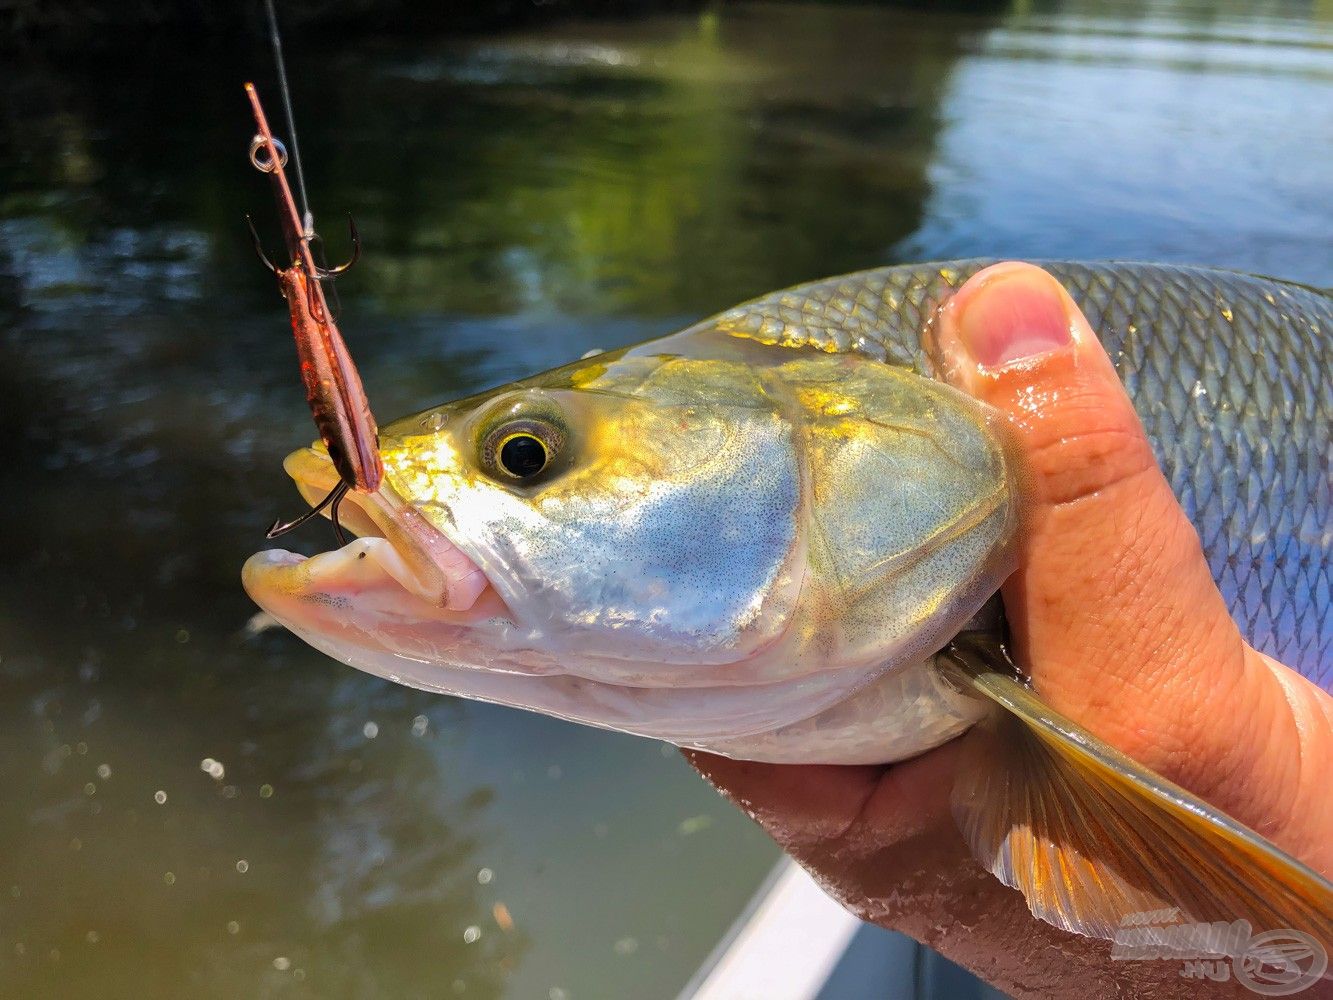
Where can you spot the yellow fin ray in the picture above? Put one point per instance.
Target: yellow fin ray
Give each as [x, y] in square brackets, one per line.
[1093, 839]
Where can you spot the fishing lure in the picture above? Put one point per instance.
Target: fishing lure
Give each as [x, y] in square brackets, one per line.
[333, 386]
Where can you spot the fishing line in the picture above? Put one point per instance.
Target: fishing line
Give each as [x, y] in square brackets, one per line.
[307, 218]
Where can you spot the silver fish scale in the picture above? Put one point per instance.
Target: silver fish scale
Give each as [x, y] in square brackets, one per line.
[1230, 375]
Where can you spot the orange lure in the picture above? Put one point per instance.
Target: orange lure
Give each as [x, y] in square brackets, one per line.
[333, 387]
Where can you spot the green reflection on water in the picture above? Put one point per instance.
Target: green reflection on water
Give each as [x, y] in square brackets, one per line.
[663, 171]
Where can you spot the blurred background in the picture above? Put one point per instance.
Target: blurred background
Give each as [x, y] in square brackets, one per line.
[190, 810]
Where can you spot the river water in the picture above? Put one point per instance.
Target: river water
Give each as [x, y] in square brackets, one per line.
[191, 810]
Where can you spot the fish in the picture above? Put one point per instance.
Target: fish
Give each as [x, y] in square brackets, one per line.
[778, 535]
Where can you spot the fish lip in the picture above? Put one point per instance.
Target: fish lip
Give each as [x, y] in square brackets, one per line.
[430, 564]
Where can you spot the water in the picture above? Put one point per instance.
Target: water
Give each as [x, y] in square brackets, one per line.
[190, 810]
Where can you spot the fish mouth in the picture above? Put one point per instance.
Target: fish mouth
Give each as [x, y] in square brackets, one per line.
[399, 566]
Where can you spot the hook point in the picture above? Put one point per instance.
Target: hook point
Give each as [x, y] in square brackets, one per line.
[259, 246]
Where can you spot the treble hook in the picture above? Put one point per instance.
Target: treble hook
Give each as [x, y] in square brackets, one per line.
[325, 273]
[321, 273]
[334, 497]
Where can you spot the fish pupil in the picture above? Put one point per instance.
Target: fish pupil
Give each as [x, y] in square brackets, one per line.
[523, 455]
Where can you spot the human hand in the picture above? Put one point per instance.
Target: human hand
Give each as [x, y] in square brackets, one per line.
[1116, 616]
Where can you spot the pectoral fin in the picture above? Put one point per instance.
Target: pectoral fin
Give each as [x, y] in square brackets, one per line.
[1091, 838]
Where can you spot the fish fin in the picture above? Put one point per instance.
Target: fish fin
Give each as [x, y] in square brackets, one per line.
[1094, 840]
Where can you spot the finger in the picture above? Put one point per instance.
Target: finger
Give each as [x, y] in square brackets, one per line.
[1113, 609]
[813, 811]
[801, 806]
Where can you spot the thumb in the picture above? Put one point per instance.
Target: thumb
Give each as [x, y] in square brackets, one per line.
[1113, 608]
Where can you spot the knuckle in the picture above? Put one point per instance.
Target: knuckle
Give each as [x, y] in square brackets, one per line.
[1081, 445]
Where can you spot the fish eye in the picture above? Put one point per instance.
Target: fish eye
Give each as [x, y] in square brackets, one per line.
[521, 449]
[522, 455]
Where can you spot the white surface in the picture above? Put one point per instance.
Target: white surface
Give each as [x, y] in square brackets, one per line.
[784, 947]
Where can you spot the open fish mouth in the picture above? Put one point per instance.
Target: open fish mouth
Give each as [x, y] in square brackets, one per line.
[400, 567]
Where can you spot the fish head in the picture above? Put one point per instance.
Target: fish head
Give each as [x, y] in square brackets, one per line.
[661, 540]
